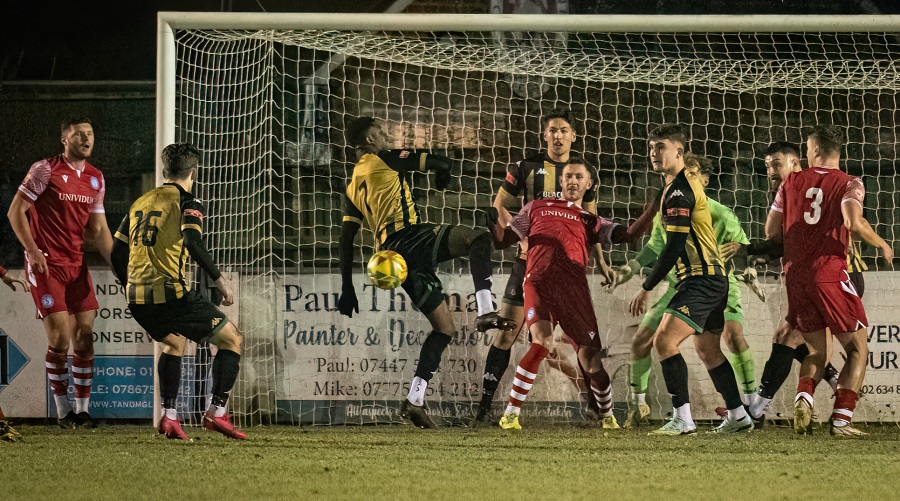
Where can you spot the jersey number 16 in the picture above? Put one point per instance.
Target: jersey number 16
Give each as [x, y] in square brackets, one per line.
[146, 227]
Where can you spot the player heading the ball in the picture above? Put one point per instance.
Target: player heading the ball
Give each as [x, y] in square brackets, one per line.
[379, 193]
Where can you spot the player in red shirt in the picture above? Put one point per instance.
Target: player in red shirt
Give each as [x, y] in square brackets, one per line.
[58, 207]
[560, 234]
[814, 212]
[7, 432]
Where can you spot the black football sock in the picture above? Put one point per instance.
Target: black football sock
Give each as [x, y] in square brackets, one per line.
[494, 368]
[169, 369]
[801, 352]
[675, 372]
[480, 261]
[430, 355]
[726, 384]
[777, 369]
[225, 370]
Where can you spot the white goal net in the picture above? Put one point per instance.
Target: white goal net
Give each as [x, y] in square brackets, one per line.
[267, 102]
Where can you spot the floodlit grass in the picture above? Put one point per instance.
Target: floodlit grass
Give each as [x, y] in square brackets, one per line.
[400, 462]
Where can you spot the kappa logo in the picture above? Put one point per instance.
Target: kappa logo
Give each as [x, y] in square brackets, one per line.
[542, 171]
[676, 193]
[65, 178]
[47, 301]
[684, 309]
[216, 322]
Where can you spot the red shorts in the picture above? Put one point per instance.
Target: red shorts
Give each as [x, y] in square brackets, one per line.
[813, 306]
[63, 288]
[570, 307]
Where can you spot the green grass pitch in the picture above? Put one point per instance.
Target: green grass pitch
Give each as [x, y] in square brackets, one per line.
[401, 462]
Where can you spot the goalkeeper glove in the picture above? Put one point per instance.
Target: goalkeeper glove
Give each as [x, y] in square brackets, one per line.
[625, 272]
[749, 277]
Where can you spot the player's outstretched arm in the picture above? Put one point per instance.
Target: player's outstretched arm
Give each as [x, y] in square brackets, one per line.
[348, 303]
[856, 223]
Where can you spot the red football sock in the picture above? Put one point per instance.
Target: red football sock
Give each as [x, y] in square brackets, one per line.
[83, 376]
[806, 388]
[57, 371]
[844, 404]
[602, 389]
[525, 374]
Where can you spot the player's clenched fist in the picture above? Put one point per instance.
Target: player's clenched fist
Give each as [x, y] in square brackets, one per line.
[348, 303]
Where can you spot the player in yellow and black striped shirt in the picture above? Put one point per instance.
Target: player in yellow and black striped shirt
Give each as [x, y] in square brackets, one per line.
[149, 257]
[379, 193]
[699, 305]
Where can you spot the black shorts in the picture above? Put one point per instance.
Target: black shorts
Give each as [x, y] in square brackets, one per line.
[513, 292]
[192, 316]
[858, 282]
[419, 245]
[700, 302]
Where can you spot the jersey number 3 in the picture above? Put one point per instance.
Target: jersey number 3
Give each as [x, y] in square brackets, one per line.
[812, 217]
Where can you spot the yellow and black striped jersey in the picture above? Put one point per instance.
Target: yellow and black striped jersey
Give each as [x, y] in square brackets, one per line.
[379, 192]
[537, 178]
[157, 261]
[685, 209]
[855, 263]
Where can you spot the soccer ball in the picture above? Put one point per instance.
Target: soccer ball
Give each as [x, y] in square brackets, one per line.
[386, 269]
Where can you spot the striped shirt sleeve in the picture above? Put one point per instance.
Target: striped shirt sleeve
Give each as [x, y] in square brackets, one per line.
[36, 180]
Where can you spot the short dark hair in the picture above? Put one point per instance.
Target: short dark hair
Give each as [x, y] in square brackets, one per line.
[704, 165]
[672, 132]
[358, 131]
[562, 113]
[70, 121]
[828, 137]
[179, 159]
[783, 147]
[573, 160]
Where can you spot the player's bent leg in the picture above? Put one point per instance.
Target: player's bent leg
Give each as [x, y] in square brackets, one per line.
[810, 370]
[526, 372]
[498, 357]
[226, 366]
[443, 330]
[671, 333]
[59, 327]
[168, 367]
[709, 349]
[591, 361]
[740, 358]
[639, 373]
[83, 365]
[475, 243]
[850, 381]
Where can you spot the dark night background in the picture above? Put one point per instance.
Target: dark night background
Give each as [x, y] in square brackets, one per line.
[98, 59]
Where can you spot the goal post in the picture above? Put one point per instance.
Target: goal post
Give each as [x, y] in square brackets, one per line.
[266, 98]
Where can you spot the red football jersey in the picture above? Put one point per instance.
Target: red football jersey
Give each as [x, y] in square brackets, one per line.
[559, 235]
[815, 238]
[63, 199]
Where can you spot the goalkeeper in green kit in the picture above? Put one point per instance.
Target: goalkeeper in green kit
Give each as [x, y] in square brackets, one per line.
[730, 237]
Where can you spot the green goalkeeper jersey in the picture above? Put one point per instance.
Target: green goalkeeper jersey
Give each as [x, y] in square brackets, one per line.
[725, 224]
